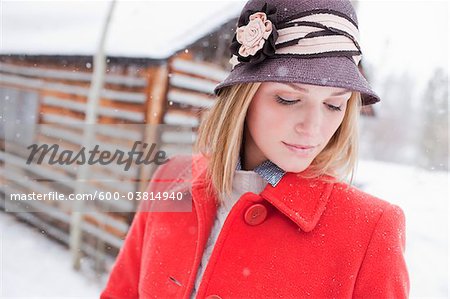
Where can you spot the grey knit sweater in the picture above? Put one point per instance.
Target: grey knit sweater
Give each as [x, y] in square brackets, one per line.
[243, 181]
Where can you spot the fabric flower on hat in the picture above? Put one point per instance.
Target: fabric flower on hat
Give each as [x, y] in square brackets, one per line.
[256, 35]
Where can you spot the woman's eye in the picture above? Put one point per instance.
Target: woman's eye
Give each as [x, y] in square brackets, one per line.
[333, 108]
[286, 102]
[291, 102]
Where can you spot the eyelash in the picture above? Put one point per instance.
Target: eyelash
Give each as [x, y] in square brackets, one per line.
[285, 102]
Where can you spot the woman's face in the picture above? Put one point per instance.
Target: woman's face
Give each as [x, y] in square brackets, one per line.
[290, 123]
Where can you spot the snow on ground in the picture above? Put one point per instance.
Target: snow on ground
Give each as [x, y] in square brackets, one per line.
[32, 265]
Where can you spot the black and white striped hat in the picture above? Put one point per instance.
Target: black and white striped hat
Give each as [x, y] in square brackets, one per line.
[298, 41]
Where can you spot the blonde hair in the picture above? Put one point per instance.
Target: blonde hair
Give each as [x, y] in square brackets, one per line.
[221, 132]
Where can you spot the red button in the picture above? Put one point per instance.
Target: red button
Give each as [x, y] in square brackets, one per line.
[213, 297]
[255, 214]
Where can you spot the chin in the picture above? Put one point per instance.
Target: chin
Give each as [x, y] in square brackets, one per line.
[294, 167]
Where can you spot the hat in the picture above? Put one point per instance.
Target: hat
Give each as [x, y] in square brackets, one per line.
[298, 41]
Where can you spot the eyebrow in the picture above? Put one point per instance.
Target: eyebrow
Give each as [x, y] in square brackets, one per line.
[296, 87]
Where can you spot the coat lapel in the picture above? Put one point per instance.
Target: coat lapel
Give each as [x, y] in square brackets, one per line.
[302, 200]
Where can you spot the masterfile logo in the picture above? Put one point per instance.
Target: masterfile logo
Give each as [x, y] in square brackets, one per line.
[96, 156]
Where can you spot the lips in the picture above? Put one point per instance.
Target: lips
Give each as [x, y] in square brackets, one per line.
[300, 146]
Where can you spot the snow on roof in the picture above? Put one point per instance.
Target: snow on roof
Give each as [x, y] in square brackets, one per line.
[145, 29]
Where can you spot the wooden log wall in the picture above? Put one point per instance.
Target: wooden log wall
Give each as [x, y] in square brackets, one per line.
[174, 94]
[189, 95]
[62, 96]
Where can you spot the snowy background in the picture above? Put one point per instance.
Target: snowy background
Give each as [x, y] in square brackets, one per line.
[404, 149]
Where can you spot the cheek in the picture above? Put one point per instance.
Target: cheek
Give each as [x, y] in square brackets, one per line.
[331, 126]
[264, 120]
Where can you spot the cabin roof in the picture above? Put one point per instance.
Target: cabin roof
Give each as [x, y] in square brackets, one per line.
[138, 29]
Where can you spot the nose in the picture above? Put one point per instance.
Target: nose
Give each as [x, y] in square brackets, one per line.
[309, 122]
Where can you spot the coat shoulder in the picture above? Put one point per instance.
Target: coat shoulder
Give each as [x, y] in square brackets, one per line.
[359, 205]
[351, 195]
[377, 228]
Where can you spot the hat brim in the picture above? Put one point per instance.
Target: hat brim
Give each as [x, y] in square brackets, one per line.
[338, 71]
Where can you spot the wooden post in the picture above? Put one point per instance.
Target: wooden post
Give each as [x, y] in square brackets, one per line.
[88, 137]
[156, 107]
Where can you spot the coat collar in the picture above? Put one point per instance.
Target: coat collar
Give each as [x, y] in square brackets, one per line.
[302, 200]
[267, 170]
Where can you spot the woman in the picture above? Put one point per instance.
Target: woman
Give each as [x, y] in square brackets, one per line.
[271, 214]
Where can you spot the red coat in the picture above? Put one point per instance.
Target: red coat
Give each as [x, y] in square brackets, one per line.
[304, 238]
